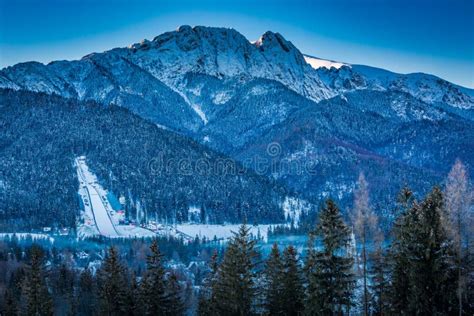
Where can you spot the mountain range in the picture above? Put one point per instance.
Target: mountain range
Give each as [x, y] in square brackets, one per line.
[267, 102]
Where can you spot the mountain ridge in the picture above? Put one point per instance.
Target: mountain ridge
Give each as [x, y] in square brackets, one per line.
[304, 79]
[236, 97]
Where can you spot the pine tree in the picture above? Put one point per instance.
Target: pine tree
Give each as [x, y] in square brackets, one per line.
[86, 295]
[174, 294]
[11, 307]
[207, 300]
[13, 293]
[63, 289]
[292, 284]
[329, 271]
[153, 285]
[35, 295]
[431, 279]
[274, 282]
[379, 276]
[113, 286]
[235, 289]
[136, 300]
[399, 288]
[365, 223]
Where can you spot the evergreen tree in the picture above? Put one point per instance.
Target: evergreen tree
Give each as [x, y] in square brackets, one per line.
[36, 299]
[86, 294]
[432, 282]
[63, 290]
[399, 289]
[207, 300]
[292, 284]
[11, 306]
[174, 294]
[136, 299]
[379, 276]
[13, 293]
[154, 294]
[329, 271]
[274, 282]
[113, 286]
[235, 289]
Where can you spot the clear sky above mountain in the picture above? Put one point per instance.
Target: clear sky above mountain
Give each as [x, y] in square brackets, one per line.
[404, 36]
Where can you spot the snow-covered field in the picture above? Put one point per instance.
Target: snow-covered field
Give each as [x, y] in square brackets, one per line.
[221, 232]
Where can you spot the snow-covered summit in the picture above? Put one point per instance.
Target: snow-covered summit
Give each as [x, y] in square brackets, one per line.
[222, 53]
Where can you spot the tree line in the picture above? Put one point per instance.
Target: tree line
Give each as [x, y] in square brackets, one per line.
[424, 267]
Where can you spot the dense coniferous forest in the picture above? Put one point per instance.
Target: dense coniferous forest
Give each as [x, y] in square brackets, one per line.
[424, 267]
[165, 172]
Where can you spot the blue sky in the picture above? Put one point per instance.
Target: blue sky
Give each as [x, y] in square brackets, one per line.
[404, 36]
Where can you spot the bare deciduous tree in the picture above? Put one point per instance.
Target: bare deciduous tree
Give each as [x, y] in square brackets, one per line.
[365, 223]
[458, 219]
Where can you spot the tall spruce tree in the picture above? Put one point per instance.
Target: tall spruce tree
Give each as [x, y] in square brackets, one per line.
[174, 294]
[10, 304]
[86, 294]
[379, 276]
[329, 270]
[399, 269]
[274, 282]
[113, 286]
[432, 282]
[155, 299]
[136, 299]
[292, 295]
[207, 299]
[235, 289]
[36, 299]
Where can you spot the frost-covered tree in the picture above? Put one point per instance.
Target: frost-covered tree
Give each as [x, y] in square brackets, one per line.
[458, 220]
[365, 223]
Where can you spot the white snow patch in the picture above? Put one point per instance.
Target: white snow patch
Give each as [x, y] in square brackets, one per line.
[317, 63]
[221, 232]
[221, 97]
[195, 107]
[199, 111]
[194, 214]
[33, 236]
[258, 90]
[293, 208]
